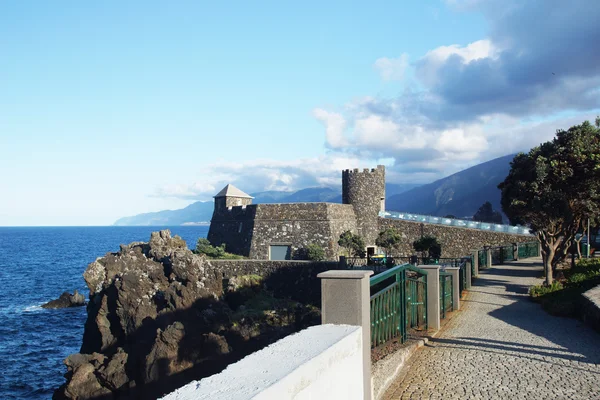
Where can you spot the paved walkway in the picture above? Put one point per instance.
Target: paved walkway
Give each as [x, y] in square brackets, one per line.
[501, 345]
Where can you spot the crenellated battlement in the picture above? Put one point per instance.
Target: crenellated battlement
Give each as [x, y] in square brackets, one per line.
[366, 171]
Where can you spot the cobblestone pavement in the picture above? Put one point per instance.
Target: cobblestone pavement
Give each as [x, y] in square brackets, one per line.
[501, 345]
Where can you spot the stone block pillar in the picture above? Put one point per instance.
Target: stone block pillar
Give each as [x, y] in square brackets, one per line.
[433, 295]
[468, 273]
[476, 261]
[516, 251]
[345, 299]
[489, 256]
[455, 287]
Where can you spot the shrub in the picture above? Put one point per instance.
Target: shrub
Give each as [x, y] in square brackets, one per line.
[203, 246]
[541, 290]
[314, 252]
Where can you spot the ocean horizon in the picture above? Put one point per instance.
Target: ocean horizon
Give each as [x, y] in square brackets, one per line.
[38, 264]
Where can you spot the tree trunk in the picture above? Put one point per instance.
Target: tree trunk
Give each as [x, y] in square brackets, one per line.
[548, 269]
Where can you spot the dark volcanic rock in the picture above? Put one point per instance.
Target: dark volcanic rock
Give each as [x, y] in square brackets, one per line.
[67, 300]
[158, 318]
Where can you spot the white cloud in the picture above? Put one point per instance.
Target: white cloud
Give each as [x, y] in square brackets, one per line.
[335, 125]
[429, 65]
[392, 69]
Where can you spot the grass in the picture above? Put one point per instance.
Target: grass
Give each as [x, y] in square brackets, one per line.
[565, 298]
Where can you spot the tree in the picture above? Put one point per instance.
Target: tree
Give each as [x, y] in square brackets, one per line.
[430, 245]
[554, 188]
[486, 213]
[388, 239]
[354, 244]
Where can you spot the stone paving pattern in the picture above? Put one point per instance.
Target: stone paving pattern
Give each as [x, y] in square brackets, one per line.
[501, 345]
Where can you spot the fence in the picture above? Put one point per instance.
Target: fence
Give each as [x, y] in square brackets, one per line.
[530, 249]
[398, 302]
[445, 293]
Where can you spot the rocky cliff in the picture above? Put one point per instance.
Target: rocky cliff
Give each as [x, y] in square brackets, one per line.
[160, 316]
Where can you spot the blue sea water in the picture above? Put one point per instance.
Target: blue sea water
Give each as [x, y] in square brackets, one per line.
[36, 266]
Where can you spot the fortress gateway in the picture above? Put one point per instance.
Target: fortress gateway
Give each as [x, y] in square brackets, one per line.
[276, 231]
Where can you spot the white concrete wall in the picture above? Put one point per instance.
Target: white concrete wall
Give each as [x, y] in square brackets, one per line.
[321, 362]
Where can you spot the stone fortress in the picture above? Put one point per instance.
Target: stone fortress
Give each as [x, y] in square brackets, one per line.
[277, 231]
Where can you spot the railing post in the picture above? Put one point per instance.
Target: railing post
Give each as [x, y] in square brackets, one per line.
[489, 256]
[468, 273]
[345, 299]
[455, 287]
[476, 261]
[433, 295]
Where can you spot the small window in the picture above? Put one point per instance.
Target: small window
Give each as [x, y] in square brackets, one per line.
[280, 252]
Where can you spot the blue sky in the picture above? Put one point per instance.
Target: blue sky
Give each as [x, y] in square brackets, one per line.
[113, 109]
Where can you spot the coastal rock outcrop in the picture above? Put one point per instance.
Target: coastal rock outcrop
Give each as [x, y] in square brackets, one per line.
[67, 300]
[159, 316]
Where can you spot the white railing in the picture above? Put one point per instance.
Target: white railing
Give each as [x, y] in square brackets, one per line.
[429, 219]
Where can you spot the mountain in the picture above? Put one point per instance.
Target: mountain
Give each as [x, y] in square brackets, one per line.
[460, 194]
[201, 211]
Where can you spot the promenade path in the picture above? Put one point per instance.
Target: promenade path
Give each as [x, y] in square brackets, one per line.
[501, 345]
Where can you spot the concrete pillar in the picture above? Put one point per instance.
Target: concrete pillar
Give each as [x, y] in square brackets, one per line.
[476, 261]
[540, 248]
[516, 251]
[345, 299]
[468, 272]
[489, 256]
[455, 287]
[433, 295]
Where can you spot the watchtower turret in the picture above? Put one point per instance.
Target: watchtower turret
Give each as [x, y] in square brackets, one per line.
[230, 196]
[366, 192]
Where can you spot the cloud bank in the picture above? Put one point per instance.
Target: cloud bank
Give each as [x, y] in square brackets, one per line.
[536, 71]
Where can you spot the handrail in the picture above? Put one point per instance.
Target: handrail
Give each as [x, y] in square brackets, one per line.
[393, 271]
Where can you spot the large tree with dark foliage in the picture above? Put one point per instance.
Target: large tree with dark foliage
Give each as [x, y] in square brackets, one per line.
[555, 188]
[486, 213]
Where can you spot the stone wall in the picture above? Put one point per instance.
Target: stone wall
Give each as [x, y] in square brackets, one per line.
[365, 191]
[292, 279]
[456, 241]
[300, 224]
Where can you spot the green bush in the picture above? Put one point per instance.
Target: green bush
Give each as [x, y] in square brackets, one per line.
[314, 252]
[541, 290]
[203, 246]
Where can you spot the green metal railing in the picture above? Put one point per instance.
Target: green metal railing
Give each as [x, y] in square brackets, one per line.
[445, 293]
[398, 302]
[529, 249]
[508, 253]
[482, 259]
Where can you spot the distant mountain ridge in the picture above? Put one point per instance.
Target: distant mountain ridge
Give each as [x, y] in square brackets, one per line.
[460, 194]
[200, 212]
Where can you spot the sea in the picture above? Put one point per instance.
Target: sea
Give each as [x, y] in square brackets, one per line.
[38, 264]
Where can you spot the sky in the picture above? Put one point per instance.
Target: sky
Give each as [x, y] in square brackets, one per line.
[110, 109]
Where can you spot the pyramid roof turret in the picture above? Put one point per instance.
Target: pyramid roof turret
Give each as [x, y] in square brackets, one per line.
[232, 191]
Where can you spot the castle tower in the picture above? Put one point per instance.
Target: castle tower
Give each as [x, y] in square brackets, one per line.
[230, 196]
[366, 192]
